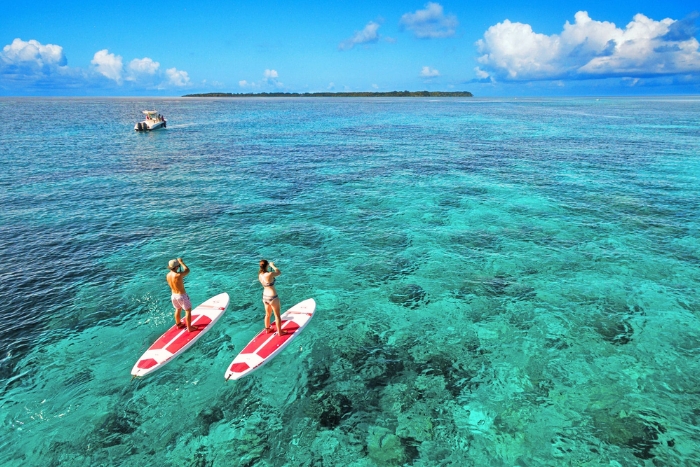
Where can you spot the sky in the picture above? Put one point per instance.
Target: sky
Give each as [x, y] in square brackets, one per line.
[492, 49]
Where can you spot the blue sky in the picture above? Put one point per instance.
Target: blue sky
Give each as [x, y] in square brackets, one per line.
[497, 48]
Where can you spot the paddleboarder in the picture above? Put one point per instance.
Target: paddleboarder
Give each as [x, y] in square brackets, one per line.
[179, 297]
[270, 298]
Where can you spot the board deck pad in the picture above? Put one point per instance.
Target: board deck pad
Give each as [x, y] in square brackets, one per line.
[265, 346]
[176, 340]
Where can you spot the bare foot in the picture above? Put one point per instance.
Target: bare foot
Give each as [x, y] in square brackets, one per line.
[180, 325]
[193, 328]
[268, 330]
[282, 333]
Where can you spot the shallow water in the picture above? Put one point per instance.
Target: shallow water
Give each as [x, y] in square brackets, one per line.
[498, 282]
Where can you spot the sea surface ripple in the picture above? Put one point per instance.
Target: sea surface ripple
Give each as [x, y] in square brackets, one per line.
[499, 282]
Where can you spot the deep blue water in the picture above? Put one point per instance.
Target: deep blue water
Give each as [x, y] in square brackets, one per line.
[499, 282]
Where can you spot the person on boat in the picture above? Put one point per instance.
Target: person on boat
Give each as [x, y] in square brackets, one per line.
[179, 297]
[270, 298]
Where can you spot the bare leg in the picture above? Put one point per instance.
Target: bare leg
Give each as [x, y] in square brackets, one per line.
[268, 311]
[276, 309]
[188, 321]
[178, 318]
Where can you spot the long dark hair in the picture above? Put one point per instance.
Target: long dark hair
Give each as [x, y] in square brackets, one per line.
[263, 266]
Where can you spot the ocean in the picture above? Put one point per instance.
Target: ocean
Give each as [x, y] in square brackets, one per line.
[499, 282]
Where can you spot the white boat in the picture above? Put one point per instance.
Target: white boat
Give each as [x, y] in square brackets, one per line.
[153, 121]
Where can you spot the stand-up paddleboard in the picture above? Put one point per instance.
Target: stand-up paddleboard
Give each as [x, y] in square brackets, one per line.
[176, 340]
[264, 346]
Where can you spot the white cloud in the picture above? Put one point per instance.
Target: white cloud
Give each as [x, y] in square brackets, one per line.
[270, 77]
[32, 52]
[430, 23]
[108, 64]
[144, 66]
[249, 84]
[368, 35]
[589, 49]
[32, 68]
[177, 77]
[481, 74]
[375, 86]
[428, 72]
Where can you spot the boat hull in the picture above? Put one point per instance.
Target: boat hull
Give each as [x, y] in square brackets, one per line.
[149, 126]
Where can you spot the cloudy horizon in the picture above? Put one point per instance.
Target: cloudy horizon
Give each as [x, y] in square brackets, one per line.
[434, 46]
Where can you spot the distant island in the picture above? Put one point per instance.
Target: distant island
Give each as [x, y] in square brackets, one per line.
[339, 94]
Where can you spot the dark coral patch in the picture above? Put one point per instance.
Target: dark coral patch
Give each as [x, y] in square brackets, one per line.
[389, 243]
[302, 236]
[633, 432]
[409, 296]
[499, 286]
[388, 365]
[208, 417]
[318, 376]
[410, 447]
[117, 425]
[614, 330]
[333, 408]
[381, 272]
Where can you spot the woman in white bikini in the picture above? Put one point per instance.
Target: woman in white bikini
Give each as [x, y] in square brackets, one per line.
[270, 298]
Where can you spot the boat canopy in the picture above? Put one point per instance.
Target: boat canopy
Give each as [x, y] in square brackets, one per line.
[150, 112]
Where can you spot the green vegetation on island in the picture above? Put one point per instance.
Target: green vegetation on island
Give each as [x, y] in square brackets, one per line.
[339, 94]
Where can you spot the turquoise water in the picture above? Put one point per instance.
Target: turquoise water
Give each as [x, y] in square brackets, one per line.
[499, 282]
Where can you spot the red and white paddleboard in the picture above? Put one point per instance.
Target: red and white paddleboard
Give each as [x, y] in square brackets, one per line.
[265, 346]
[176, 340]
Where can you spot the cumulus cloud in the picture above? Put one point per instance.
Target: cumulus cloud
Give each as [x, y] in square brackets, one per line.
[368, 35]
[270, 77]
[430, 23]
[428, 72]
[108, 65]
[32, 68]
[177, 77]
[33, 53]
[589, 49]
[144, 66]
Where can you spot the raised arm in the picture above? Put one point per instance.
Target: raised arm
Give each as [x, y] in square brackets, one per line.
[276, 271]
[185, 269]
